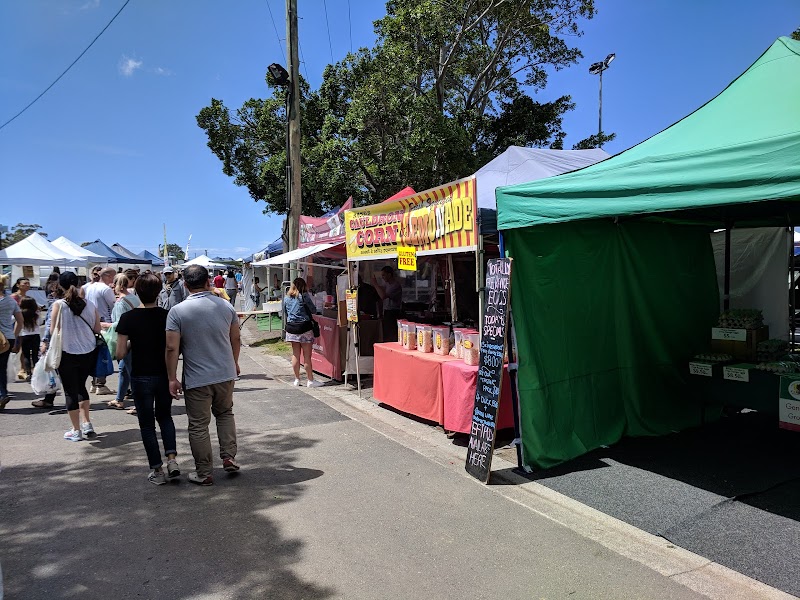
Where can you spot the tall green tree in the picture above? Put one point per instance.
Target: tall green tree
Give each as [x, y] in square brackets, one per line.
[20, 231]
[796, 34]
[444, 90]
[175, 251]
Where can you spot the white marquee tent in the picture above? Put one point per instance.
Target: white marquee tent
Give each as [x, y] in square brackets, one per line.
[206, 262]
[69, 247]
[36, 251]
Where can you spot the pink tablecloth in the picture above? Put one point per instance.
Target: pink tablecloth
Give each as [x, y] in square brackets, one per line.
[460, 382]
[410, 381]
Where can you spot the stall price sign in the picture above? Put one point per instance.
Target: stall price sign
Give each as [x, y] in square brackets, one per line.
[490, 369]
[351, 299]
[736, 335]
[407, 258]
[737, 373]
[700, 368]
[789, 408]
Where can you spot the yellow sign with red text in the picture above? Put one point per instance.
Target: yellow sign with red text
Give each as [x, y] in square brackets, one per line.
[407, 258]
[436, 221]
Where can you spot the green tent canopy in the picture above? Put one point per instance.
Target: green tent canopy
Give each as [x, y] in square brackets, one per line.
[614, 297]
[735, 159]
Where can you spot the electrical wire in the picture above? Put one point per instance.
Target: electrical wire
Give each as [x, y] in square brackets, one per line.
[72, 64]
[302, 59]
[275, 27]
[350, 26]
[328, 27]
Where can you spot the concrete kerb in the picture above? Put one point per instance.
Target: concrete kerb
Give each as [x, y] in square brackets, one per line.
[689, 569]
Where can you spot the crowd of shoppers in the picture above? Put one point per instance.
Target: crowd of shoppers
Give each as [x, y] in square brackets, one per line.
[154, 322]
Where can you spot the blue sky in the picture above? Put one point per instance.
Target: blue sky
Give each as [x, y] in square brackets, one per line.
[113, 151]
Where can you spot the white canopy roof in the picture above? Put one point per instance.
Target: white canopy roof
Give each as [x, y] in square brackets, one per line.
[293, 255]
[204, 261]
[36, 251]
[69, 247]
[521, 165]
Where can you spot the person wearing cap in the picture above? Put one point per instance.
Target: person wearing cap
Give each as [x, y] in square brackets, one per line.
[173, 292]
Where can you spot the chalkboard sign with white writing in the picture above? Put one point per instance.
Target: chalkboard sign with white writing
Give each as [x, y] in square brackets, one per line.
[490, 368]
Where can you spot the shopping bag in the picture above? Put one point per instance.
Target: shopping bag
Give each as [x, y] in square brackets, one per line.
[14, 366]
[53, 356]
[104, 365]
[110, 336]
[44, 381]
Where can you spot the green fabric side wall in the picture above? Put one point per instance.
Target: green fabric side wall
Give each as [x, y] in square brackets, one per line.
[606, 316]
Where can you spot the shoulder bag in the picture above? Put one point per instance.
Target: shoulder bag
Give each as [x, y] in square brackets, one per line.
[104, 365]
[314, 324]
[52, 357]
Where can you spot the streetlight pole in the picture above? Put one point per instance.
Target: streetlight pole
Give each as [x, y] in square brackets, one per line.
[597, 69]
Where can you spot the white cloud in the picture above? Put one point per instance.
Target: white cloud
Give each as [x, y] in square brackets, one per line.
[90, 4]
[128, 65]
[162, 71]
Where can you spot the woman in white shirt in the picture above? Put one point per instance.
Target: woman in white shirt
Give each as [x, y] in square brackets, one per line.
[79, 321]
[231, 286]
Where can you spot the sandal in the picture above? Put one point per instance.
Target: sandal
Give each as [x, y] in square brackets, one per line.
[131, 411]
[115, 404]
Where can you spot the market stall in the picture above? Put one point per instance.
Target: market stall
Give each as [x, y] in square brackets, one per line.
[619, 292]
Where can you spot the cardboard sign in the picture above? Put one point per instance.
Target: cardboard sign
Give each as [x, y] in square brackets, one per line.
[407, 258]
[351, 297]
[490, 369]
[700, 368]
[736, 335]
[736, 373]
[789, 408]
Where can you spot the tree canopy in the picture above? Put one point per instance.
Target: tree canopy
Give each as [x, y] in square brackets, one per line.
[445, 89]
[20, 231]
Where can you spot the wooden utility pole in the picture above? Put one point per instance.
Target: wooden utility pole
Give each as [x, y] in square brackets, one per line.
[295, 191]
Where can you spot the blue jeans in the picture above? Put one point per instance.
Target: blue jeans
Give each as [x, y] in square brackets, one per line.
[124, 383]
[154, 403]
[3, 364]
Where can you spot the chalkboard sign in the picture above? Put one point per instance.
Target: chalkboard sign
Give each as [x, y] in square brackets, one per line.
[490, 368]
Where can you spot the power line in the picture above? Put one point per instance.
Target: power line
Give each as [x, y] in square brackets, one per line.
[303, 59]
[328, 27]
[277, 35]
[350, 26]
[72, 64]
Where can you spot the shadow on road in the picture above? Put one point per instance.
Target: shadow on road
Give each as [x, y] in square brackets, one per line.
[97, 529]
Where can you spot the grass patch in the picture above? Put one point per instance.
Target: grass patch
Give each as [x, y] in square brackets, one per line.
[274, 346]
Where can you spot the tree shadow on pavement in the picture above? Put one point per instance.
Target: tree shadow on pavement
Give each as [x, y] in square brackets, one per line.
[96, 528]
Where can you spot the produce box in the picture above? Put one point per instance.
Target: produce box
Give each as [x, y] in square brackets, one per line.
[739, 343]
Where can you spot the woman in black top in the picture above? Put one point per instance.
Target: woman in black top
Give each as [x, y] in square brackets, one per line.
[145, 328]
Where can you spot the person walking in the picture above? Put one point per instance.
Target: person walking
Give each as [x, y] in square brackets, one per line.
[205, 330]
[10, 328]
[29, 336]
[54, 292]
[80, 322]
[125, 302]
[219, 281]
[173, 291]
[94, 277]
[231, 287]
[101, 295]
[145, 330]
[299, 307]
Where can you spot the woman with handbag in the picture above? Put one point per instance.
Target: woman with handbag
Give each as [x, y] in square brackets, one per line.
[79, 325]
[125, 302]
[301, 328]
[10, 328]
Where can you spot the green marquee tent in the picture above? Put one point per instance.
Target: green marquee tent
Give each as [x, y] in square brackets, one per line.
[619, 291]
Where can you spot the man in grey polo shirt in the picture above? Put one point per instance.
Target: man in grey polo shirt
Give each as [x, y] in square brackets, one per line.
[205, 330]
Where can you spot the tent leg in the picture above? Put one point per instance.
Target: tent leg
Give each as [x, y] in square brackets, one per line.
[792, 288]
[726, 299]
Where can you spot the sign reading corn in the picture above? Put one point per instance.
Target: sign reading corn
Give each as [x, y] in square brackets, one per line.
[435, 221]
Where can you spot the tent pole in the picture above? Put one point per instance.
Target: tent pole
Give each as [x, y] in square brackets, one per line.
[512, 376]
[792, 288]
[726, 299]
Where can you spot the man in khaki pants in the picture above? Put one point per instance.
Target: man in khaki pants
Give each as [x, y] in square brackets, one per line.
[205, 330]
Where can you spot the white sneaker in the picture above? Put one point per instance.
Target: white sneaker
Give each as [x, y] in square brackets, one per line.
[296, 382]
[173, 470]
[315, 383]
[157, 477]
[88, 431]
[103, 390]
[73, 435]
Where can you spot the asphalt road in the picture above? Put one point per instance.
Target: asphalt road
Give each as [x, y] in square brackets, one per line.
[325, 507]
